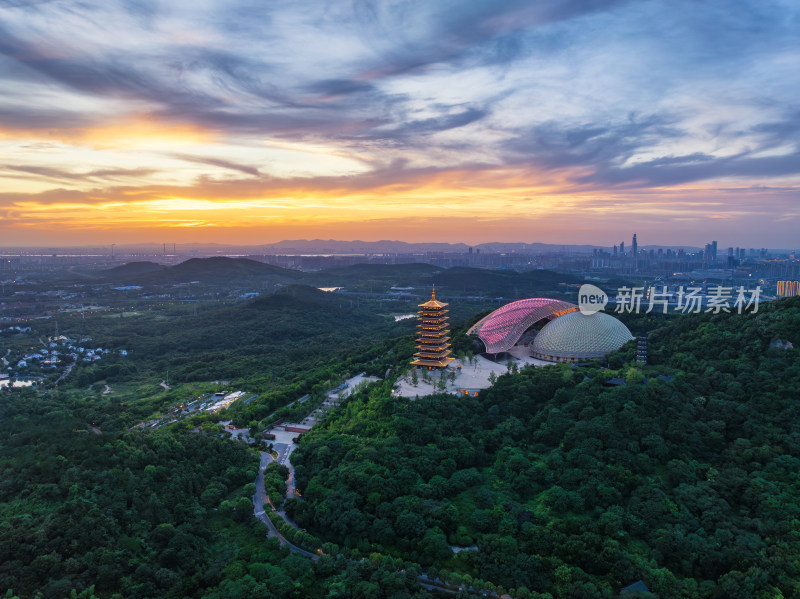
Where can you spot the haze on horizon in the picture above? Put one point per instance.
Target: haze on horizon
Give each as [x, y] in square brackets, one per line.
[570, 121]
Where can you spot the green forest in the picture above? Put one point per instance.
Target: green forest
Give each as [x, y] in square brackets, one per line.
[552, 483]
[89, 508]
[222, 271]
[272, 338]
[685, 477]
[167, 514]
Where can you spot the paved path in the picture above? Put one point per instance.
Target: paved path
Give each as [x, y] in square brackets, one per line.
[284, 445]
[291, 490]
[288, 520]
[260, 498]
[67, 370]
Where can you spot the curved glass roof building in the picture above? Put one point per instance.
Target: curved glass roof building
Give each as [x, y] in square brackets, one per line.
[568, 336]
[578, 336]
[501, 329]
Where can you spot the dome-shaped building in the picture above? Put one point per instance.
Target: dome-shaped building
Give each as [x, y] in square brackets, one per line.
[503, 328]
[577, 336]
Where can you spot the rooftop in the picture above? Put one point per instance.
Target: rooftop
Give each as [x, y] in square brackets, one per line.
[433, 302]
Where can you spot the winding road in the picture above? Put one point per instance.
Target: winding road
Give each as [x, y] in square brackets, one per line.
[260, 498]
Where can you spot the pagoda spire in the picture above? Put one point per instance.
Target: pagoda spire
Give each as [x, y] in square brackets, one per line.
[433, 293]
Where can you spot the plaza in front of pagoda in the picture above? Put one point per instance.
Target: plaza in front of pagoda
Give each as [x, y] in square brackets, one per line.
[435, 370]
[470, 376]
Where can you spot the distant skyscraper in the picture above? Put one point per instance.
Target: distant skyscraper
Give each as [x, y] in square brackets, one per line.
[621, 248]
[710, 254]
[635, 250]
[615, 251]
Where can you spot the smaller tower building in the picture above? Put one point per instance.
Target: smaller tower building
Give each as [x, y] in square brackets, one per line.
[433, 343]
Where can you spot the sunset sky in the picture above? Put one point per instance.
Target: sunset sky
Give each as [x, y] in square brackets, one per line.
[246, 121]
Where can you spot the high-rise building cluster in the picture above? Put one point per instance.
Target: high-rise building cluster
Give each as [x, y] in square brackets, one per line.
[737, 263]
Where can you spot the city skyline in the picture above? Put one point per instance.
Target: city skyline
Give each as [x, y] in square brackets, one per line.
[712, 248]
[560, 122]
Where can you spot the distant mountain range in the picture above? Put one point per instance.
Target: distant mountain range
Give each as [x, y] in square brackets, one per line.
[332, 246]
[335, 246]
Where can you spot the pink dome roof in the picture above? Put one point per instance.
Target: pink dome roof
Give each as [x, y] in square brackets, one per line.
[501, 329]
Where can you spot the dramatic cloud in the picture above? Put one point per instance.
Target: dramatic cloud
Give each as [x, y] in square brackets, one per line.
[248, 170]
[61, 175]
[362, 114]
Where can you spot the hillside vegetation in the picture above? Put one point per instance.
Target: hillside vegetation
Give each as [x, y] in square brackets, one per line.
[553, 483]
[219, 270]
[268, 339]
[90, 509]
[92, 515]
[572, 488]
[376, 278]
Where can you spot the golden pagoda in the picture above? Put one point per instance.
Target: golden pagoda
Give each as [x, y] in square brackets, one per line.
[433, 347]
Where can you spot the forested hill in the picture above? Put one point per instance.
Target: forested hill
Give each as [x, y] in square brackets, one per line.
[376, 278]
[216, 270]
[167, 514]
[132, 269]
[90, 508]
[272, 337]
[573, 488]
[456, 281]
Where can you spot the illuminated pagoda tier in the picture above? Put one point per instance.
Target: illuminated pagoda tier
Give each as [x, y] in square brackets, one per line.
[433, 344]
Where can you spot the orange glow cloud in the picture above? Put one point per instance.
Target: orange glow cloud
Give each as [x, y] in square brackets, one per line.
[129, 131]
[457, 205]
[131, 123]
